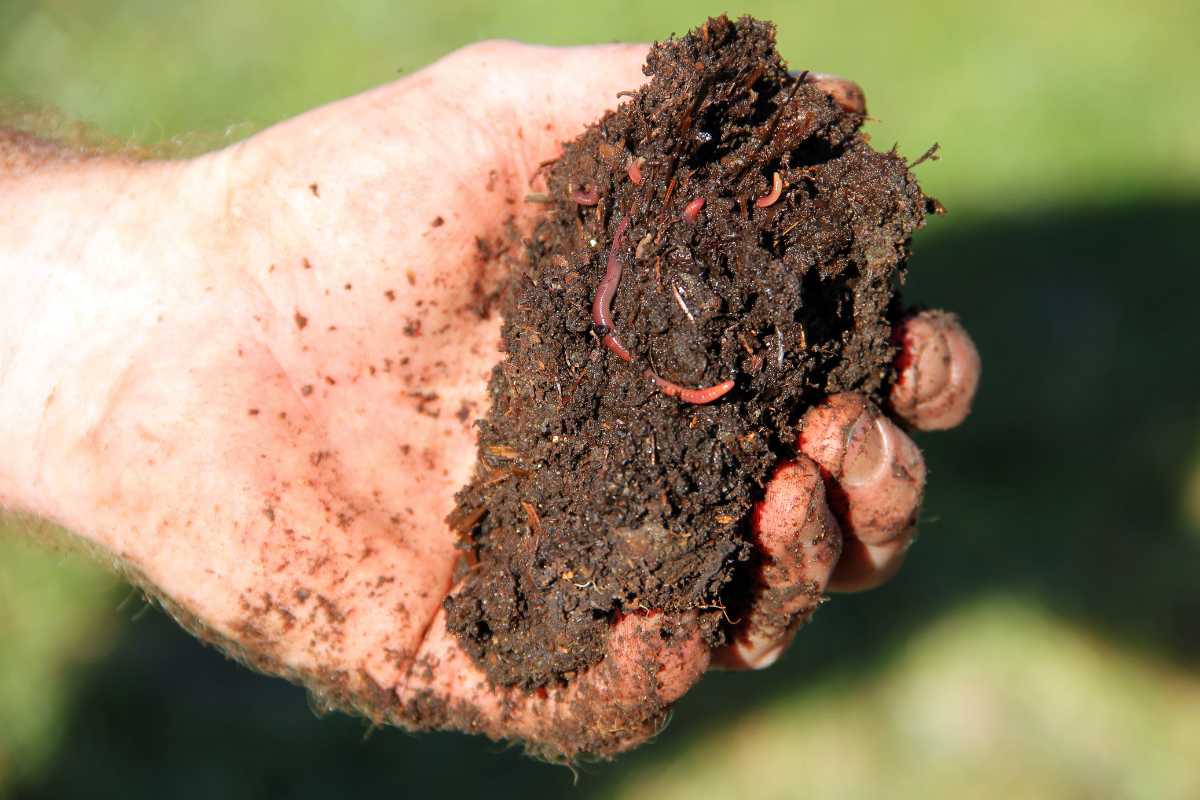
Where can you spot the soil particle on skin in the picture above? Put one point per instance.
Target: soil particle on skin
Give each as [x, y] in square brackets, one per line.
[599, 489]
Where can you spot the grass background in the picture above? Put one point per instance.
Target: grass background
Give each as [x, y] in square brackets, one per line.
[1043, 640]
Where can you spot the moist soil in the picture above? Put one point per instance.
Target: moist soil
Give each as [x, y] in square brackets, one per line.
[597, 493]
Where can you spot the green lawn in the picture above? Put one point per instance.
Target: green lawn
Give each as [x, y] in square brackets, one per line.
[1043, 639]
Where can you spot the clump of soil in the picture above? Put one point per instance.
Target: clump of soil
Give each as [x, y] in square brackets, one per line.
[761, 241]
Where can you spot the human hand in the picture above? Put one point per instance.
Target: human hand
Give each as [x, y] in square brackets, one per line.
[267, 428]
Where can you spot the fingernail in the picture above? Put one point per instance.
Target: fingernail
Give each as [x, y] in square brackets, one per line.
[760, 654]
[846, 93]
[931, 368]
[769, 657]
[864, 451]
[937, 382]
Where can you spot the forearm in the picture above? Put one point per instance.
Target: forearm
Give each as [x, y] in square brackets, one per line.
[87, 250]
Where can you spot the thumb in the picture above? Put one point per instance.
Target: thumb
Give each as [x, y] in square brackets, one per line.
[528, 99]
[535, 97]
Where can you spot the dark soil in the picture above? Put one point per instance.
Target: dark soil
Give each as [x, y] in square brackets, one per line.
[597, 493]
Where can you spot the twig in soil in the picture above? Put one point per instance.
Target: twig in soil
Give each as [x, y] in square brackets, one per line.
[724, 612]
[775, 120]
[753, 78]
[535, 519]
[745, 344]
[463, 520]
[503, 451]
[698, 397]
[779, 342]
[605, 292]
[930, 155]
[689, 116]
[691, 212]
[776, 190]
[683, 305]
[667, 197]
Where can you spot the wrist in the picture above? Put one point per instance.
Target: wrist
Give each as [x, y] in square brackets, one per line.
[96, 258]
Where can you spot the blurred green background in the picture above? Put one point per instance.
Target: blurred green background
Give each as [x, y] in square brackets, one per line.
[1044, 639]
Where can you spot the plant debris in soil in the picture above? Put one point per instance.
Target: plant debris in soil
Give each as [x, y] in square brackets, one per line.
[717, 255]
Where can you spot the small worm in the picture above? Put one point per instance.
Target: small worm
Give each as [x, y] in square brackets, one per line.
[699, 397]
[634, 170]
[588, 197]
[605, 292]
[691, 212]
[776, 190]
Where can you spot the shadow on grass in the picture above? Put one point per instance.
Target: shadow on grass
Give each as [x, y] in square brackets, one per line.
[1063, 488]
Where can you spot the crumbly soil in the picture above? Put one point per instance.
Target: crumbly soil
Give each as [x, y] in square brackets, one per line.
[598, 494]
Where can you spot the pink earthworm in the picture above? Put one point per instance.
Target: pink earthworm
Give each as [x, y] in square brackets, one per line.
[701, 396]
[691, 212]
[776, 190]
[588, 197]
[634, 170]
[601, 311]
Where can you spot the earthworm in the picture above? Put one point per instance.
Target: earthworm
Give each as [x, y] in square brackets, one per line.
[634, 170]
[588, 197]
[601, 313]
[691, 212]
[776, 190]
[701, 396]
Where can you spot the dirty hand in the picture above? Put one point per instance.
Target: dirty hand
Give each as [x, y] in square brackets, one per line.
[249, 380]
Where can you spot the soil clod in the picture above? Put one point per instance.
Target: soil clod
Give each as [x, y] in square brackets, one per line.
[727, 228]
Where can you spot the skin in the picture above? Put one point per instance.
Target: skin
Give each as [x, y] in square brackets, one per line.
[248, 382]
